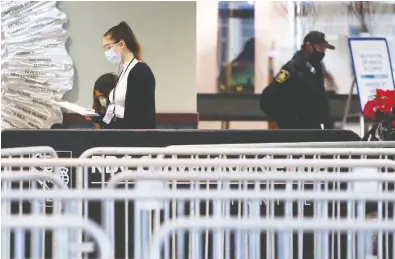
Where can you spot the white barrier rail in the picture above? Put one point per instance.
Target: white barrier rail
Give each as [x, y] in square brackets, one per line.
[240, 150]
[206, 195]
[345, 144]
[187, 195]
[146, 162]
[248, 152]
[22, 175]
[313, 225]
[60, 223]
[237, 168]
[37, 239]
[213, 176]
[21, 151]
[230, 195]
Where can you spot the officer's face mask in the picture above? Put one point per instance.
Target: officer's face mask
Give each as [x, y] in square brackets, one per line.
[317, 56]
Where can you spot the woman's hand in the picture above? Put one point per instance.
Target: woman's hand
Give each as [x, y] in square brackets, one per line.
[97, 125]
[89, 118]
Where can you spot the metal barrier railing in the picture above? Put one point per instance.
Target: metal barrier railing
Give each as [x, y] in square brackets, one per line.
[23, 151]
[38, 237]
[241, 169]
[244, 152]
[60, 224]
[229, 195]
[250, 177]
[345, 144]
[262, 152]
[254, 225]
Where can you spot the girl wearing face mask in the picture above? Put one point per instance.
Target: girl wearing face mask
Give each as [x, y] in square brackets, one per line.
[132, 101]
[101, 91]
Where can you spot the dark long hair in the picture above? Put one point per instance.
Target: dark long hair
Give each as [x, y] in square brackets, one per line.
[105, 84]
[122, 31]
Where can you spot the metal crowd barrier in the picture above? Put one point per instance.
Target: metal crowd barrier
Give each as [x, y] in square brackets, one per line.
[58, 224]
[38, 237]
[261, 174]
[29, 151]
[253, 225]
[206, 152]
[343, 144]
[206, 224]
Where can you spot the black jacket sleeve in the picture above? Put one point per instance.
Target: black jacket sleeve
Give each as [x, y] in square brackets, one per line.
[140, 112]
[277, 101]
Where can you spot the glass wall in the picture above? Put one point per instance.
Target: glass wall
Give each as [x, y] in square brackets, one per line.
[340, 20]
[236, 55]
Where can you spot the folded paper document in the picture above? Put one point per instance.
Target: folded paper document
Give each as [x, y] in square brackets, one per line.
[75, 108]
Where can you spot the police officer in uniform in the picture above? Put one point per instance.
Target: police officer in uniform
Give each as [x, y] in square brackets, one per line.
[296, 98]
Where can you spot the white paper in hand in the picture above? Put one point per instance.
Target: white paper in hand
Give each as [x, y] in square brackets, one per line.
[75, 108]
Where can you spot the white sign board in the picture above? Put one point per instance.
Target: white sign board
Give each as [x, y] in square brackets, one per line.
[372, 67]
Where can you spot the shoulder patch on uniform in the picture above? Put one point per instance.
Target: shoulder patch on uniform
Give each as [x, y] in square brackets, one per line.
[282, 76]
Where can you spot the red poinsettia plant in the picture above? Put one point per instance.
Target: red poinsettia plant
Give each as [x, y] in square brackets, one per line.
[382, 110]
[384, 103]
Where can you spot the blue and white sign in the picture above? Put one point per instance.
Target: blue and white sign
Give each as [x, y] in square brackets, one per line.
[372, 67]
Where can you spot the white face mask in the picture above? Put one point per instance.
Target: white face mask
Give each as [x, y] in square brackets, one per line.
[112, 56]
[103, 102]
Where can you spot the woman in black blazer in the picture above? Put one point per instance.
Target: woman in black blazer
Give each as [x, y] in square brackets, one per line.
[132, 102]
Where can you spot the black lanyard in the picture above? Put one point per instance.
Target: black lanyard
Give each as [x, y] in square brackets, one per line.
[119, 80]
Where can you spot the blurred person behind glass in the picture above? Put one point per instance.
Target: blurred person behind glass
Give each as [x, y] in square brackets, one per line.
[101, 91]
